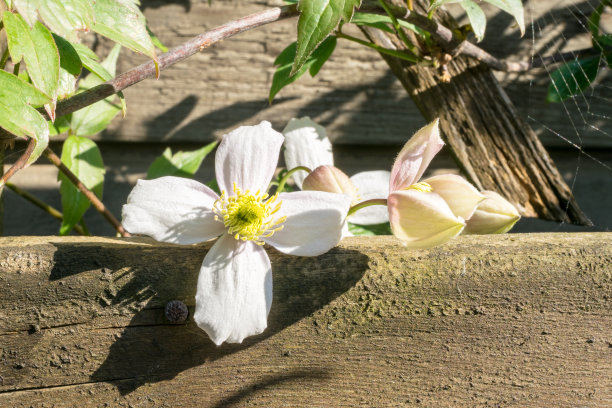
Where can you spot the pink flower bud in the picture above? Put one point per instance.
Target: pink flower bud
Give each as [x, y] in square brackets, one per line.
[331, 179]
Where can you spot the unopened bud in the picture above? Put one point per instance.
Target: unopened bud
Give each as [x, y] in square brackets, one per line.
[495, 215]
[331, 179]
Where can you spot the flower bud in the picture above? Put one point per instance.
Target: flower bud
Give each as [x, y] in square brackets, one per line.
[331, 179]
[495, 215]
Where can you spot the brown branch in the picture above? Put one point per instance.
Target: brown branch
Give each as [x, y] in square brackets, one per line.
[183, 51]
[20, 163]
[95, 201]
[42, 205]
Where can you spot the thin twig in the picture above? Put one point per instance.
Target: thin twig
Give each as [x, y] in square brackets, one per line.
[20, 163]
[183, 51]
[42, 205]
[95, 201]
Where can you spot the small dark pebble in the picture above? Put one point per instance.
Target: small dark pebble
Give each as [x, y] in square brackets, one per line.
[176, 312]
[19, 366]
[591, 341]
[544, 332]
[287, 354]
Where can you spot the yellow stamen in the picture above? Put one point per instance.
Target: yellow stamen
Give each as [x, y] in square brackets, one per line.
[421, 186]
[247, 216]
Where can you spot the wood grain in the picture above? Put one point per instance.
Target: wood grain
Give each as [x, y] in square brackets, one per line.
[515, 320]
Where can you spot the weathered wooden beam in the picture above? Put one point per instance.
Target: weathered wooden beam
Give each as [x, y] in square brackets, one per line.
[519, 320]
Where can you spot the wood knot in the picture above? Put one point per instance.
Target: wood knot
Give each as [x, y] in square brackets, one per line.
[176, 312]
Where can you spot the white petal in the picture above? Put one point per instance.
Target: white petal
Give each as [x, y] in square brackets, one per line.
[370, 185]
[248, 156]
[172, 209]
[345, 231]
[314, 222]
[415, 156]
[461, 196]
[495, 215]
[422, 220]
[306, 144]
[234, 292]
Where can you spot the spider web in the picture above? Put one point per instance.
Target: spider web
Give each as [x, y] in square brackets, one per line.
[578, 131]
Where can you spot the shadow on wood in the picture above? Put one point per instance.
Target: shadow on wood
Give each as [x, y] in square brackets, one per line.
[150, 349]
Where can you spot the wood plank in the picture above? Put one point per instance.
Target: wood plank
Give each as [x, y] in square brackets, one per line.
[514, 320]
[354, 96]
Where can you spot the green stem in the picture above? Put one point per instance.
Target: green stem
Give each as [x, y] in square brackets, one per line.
[42, 205]
[16, 69]
[283, 181]
[84, 226]
[382, 50]
[4, 58]
[398, 28]
[367, 203]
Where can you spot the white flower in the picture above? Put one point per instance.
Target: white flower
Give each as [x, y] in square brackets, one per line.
[234, 291]
[307, 144]
[432, 211]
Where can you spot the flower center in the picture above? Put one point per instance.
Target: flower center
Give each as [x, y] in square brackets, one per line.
[248, 216]
[421, 186]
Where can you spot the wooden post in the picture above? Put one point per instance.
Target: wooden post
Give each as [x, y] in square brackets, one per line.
[513, 320]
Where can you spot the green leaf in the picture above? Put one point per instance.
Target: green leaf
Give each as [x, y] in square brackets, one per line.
[95, 118]
[67, 84]
[373, 20]
[321, 55]
[83, 158]
[123, 22]
[382, 22]
[318, 18]
[37, 48]
[514, 8]
[18, 115]
[180, 164]
[572, 78]
[156, 41]
[594, 21]
[70, 67]
[69, 58]
[65, 17]
[605, 40]
[370, 230]
[60, 125]
[90, 61]
[439, 3]
[13, 88]
[477, 17]
[282, 77]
